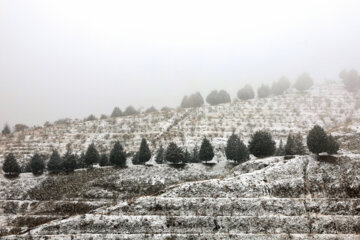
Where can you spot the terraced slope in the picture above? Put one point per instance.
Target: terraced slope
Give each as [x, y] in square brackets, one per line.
[273, 198]
[329, 105]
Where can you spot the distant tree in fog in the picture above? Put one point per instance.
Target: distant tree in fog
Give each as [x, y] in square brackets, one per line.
[194, 100]
[246, 93]
[151, 109]
[294, 145]
[280, 86]
[218, 97]
[304, 82]
[91, 117]
[165, 109]
[263, 91]
[351, 80]
[116, 112]
[20, 127]
[280, 150]
[6, 129]
[130, 110]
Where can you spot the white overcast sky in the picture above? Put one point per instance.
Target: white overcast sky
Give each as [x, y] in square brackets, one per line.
[70, 58]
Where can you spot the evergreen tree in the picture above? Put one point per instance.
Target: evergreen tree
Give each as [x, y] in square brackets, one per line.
[280, 86]
[218, 97]
[236, 150]
[206, 151]
[174, 154]
[332, 145]
[187, 157]
[104, 161]
[290, 147]
[55, 163]
[144, 152]
[261, 144]
[10, 166]
[160, 155]
[280, 151]
[116, 112]
[299, 145]
[118, 155]
[246, 93]
[317, 140]
[351, 80]
[263, 91]
[92, 155]
[37, 164]
[185, 102]
[151, 109]
[91, 117]
[195, 155]
[304, 82]
[81, 161]
[135, 159]
[130, 110]
[6, 129]
[69, 162]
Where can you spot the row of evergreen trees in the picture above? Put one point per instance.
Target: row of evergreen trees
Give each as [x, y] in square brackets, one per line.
[260, 145]
[303, 83]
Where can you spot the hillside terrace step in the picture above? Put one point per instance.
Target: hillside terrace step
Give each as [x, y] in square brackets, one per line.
[202, 236]
[199, 224]
[238, 206]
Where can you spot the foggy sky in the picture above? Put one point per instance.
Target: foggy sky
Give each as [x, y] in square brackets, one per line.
[71, 58]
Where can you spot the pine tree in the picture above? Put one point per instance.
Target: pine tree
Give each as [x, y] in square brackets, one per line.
[116, 112]
[118, 155]
[174, 154]
[351, 80]
[332, 145]
[317, 140]
[299, 145]
[236, 150]
[55, 163]
[10, 166]
[144, 152]
[92, 155]
[69, 162]
[261, 144]
[104, 161]
[304, 82]
[290, 147]
[6, 129]
[195, 155]
[206, 151]
[37, 164]
[187, 157]
[135, 159]
[81, 161]
[160, 155]
[280, 151]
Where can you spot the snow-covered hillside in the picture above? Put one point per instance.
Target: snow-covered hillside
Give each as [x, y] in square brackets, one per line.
[329, 105]
[271, 198]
